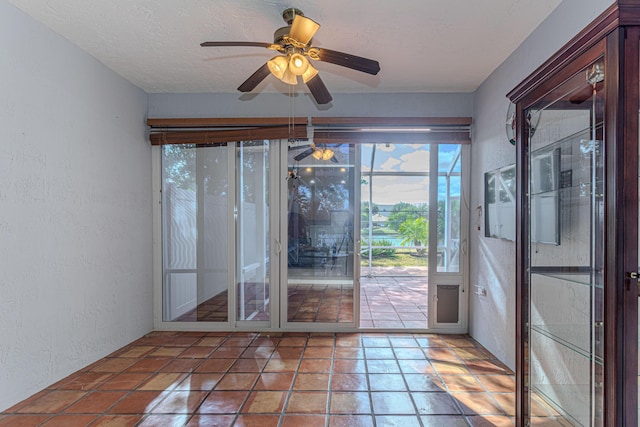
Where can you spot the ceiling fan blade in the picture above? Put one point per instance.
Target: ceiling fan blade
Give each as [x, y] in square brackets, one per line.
[334, 160]
[255, 79]
[298, 147]
[354, 62]
[319, 90]
[223, 44]
[303, 29]
[304, 154]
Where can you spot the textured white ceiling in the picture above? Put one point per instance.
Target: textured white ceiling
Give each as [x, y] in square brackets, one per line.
[422, 45]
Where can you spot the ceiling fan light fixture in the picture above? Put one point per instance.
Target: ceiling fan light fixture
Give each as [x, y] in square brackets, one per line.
[289, 78]
[317, 154]
[303, 29]
[327, 154]
[309, 73]
[298, 64]
[278, 66]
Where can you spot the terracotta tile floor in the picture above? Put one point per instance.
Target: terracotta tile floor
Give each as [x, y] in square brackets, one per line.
[289, 379]
[386, 302]
[393, 302]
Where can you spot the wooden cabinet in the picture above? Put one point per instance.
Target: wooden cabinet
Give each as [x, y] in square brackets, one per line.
[577, 227]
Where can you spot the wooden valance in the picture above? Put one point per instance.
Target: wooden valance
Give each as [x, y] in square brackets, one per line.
[413, 130]
[376, 130]
[215, 130]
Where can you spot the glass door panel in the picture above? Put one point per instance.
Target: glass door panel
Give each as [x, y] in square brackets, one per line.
[252, 231]
[395, 209]
[447, 280]
[195, 224]
[449, 219]
[566, 247]
[320, 254]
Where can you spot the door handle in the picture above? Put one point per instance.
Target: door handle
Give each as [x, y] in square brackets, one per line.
[634, 275]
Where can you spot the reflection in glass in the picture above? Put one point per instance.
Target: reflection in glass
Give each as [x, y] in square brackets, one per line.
[252, 230]
[500, 203]
[320, 239]
[195, 223]
[565, 257]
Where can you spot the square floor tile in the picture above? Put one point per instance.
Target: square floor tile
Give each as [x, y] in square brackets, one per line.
[392, 403]
[350, 403]
[312, 382]
[211, 420]
[69, 421]
[397, 421]
[478, 404]
[443, 420]
[307, 402]
[52, 402]
[435, 403]
[96, 402]
[237, 381]
[180, 402]
[204, 382]
[261, 402]
[223, 402]
[163, 381]
[164, 420]
[137, 402]
[274, 381]
[350, 421]
[387, 382]
[303, 420]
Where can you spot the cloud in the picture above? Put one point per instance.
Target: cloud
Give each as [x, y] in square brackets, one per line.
[418, 161]
[390, 164]
[392, 190]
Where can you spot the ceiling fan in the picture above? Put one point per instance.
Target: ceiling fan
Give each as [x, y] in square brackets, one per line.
[293, 42]
[319, 152]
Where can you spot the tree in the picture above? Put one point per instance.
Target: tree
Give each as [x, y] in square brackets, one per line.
[401, 212]
[415, 232]
[364, 213]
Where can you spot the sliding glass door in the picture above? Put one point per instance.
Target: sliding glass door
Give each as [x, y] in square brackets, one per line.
[229, 259]
[216, 233]
[253, 232]
[266, 234]
[322, 258]
[196, 240]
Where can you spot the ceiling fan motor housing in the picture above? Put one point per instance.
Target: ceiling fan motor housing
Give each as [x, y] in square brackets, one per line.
[289, 14]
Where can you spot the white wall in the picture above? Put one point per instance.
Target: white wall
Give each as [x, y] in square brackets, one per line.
[75, 209]
[278, 105]
[492, 262]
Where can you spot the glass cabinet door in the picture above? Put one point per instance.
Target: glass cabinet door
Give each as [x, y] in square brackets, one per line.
[564, 267]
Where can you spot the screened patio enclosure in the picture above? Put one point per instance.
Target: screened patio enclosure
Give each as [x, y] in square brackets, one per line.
[264, 233]
[395, 214]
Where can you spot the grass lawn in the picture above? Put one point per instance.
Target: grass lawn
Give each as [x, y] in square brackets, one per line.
[399, 259]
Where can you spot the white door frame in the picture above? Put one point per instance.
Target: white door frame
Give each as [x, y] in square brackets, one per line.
[278, 224]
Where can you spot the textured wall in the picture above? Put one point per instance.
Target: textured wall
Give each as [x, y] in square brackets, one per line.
[75, 209]
[279, 105]
[492, 263]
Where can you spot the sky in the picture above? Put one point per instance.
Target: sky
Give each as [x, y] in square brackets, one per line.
[406, 158]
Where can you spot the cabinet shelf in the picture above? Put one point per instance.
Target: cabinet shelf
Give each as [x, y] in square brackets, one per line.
[575, 337]
[580, 135]
[576, 394]
[580, 275]
[563, 190]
